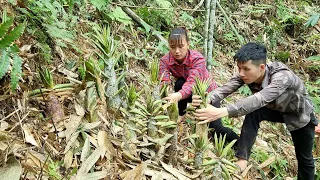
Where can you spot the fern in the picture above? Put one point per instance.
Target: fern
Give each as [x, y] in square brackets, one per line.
[11, 37]
[9, 49]
[4, 63]
[16, 71]
[4, 27]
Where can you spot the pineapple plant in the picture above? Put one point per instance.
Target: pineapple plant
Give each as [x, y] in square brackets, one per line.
[104, 41]
[199, 88]
[173, 113]
[129, 126]
[95, 100]
[53, 105]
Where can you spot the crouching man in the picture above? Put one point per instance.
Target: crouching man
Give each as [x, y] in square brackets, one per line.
[278, 96]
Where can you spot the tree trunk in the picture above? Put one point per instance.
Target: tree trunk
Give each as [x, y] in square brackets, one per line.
[206, 28]
[210, 35]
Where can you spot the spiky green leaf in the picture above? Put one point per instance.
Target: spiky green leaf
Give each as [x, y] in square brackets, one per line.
[16, 71]
[137, 111]
[143, 108]
[4, 27]
[227, 149]
[155, 71]
[167, 124]
[4, 63]
[12, 36]
[46, 78]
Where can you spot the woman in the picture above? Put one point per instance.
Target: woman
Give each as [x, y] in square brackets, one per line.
[185, 65]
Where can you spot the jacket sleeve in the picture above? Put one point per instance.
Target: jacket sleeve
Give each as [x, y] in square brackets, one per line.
[280, 81]
[164, 71]
[221, 92]
[198, 67]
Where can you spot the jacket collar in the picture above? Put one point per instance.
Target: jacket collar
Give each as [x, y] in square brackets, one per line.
[266, 79]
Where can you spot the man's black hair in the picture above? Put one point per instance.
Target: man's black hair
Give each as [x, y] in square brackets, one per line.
[177, 34]
[252, 51]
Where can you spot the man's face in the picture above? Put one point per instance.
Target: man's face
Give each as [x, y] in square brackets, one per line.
[250, 73]
[179, 49]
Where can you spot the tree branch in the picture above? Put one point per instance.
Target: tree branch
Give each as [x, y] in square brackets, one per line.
[230, 23]
[141, 22]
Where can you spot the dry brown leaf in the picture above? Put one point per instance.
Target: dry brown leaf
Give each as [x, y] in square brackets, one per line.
[51, 148]
[136, 173]
[245, 172]
[24, 49]
[28, 135]
[3, 136]
[105, 143]
[94, 176]
[67, 72]
[79, 109]
[3, 146]
[93, 140]
[38, 160]
[157, 176]
[68, 157]
[72, 125]
[72, 141]
[85, 150]
[89, 162]
[60, 52]
[163, 174]
[3, 126]
[267, 162]
[173, 171]
[89, 126]
[192, 176]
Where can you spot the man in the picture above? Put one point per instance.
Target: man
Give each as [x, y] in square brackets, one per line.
[278, 96]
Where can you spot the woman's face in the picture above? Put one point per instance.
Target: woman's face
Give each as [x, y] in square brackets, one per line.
[179, 48]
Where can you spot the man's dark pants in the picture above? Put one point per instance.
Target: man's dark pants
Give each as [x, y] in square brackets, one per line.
[302, 139]
[216, 125]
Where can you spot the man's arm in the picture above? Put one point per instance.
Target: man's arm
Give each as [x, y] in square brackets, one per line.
[278, 85]
[231, 86]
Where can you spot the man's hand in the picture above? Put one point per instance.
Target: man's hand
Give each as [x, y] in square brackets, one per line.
[210, 113]
[174, 97]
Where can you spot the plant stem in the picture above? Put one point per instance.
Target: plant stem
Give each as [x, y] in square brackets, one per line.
[140, 21]
[230, 23]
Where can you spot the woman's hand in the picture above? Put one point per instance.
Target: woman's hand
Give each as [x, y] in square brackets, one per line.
[196, 101]
[210, 113]
[174, 97]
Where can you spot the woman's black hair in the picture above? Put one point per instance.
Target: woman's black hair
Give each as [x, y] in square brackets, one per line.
[177, 35]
